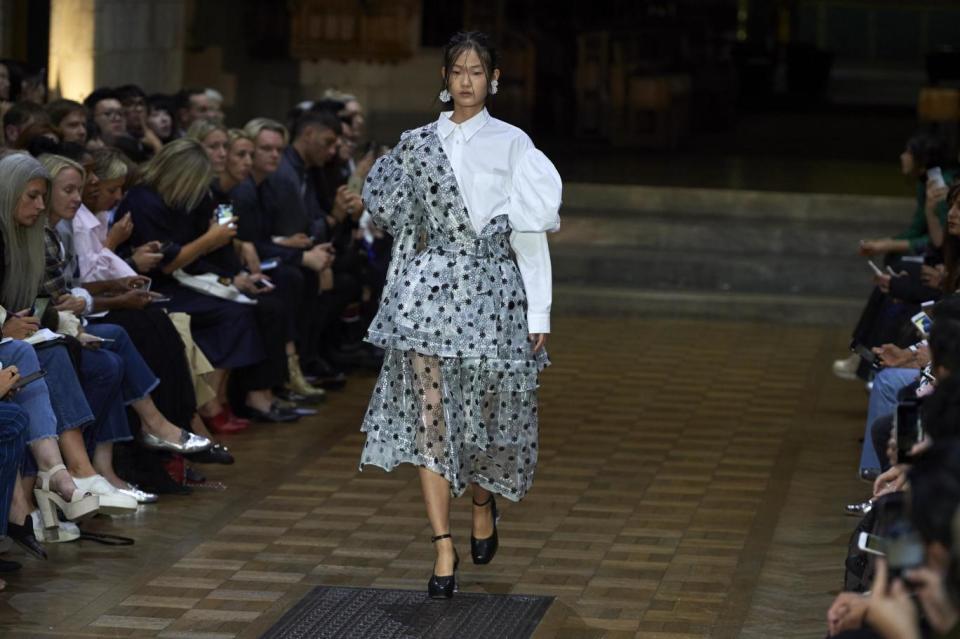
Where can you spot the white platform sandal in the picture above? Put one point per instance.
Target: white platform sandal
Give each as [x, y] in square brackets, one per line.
[80, 506]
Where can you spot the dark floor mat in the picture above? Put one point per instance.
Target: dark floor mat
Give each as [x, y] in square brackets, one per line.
[359, 613]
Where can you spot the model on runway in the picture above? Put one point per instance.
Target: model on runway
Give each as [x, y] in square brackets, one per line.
[465, 312]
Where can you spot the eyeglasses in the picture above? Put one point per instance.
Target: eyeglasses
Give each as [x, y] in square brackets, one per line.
[112, 114]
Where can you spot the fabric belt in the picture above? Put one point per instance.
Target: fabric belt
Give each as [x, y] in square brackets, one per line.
[482, 247]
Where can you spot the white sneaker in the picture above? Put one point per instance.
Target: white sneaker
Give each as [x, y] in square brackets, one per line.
[64, 532]
[112, 501]
[847, 368]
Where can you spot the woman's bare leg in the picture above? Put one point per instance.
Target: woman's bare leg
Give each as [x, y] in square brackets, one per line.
[436, 496]
[482, 515]
[47, 453]
[20, 505]
[436, 489]
[75, 454]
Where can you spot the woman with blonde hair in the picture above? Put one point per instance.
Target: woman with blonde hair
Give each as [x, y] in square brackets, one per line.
[231, 156]
[201, 275]
[141, 334]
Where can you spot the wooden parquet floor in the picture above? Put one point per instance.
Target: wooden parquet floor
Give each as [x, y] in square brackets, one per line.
[691, 481]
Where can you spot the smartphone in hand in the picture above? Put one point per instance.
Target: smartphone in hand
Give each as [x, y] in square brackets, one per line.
[28, 379]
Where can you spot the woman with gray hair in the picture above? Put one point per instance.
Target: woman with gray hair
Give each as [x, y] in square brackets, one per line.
[23, 185]
[113, 375]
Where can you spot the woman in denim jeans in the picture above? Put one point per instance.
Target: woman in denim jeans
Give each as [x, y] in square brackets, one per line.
[114, 375]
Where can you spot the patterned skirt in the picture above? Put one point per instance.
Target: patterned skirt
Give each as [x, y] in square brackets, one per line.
[469, 415]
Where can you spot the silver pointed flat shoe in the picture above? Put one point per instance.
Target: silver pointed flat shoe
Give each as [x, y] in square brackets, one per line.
[189, 443]
[142, 496]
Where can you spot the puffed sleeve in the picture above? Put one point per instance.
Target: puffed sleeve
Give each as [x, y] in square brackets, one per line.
[388, 193]
[535, 194]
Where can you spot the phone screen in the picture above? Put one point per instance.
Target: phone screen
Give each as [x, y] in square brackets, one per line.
[40, 306]
[224, 213]
[923, 322]
[872, 544]
[909, 429]
[905, 549]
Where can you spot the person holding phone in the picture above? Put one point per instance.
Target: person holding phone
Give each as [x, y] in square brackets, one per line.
[94, 243]
[481, 193]
[110, 379]
[237, 337]
[286, 282]
[923, 153]
[129, 300]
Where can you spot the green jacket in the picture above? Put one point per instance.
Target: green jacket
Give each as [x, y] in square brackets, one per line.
[917, 233]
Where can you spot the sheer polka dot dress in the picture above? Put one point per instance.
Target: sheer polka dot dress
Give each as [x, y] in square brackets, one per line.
[457, 393]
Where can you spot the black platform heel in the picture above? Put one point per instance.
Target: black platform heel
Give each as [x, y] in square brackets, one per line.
[483, 550]
[444, 587]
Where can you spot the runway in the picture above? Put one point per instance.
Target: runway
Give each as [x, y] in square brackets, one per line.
[691, 484]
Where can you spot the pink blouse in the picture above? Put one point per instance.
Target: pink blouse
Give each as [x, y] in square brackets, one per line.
[97, 262]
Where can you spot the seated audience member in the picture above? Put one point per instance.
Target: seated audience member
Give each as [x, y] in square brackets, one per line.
[901, 365]
[37, 139]
[291, 204]
[154, 331]
[288, 280]
[148, 326]
[922, 152]
[257, 204]
[357, 270]
[160, 113]
[24, 186]
[106, 112]
[20, 116]
[352, 113]
[191, 105]
[114, 375]
[45, 425]
[888, 611]
[895, 299]
[13, 443]
[70, 120]
[216, 105]
[900, 380]
[143, 143]
[256, 224]
[92, 238]
[202, 276]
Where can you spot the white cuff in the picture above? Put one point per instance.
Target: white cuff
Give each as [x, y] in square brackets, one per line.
[538, 322]
[87, 299]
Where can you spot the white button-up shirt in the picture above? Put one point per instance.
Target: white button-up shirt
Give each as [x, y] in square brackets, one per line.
[500, 171]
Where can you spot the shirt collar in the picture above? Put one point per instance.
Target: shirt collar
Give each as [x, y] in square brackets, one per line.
[445, 126]
[85, 219]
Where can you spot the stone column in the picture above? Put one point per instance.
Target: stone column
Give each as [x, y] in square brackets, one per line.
[112, 42]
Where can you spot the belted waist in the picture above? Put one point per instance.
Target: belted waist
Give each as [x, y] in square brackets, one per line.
[482, 247]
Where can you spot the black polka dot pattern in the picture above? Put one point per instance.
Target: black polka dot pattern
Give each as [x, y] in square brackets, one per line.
[457, 391]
